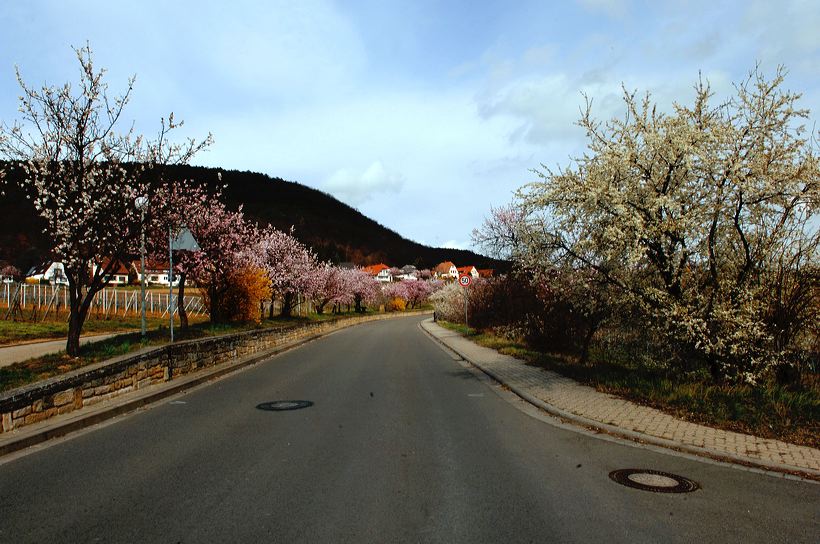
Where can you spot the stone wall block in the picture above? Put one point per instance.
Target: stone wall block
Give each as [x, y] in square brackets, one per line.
[63, 397]
[8, 422]
[22, 412]
[78, 398]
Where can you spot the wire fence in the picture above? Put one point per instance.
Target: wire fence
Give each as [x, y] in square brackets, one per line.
[40, 302]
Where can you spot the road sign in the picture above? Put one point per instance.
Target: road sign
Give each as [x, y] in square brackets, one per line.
[184, 239]
[465, 280]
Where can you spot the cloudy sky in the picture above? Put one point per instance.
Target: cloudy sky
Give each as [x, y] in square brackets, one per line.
[420, 114]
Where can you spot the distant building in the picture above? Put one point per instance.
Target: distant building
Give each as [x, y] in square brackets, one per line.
[445, 270]
[53, 273]
[118, 276]
[408, 272]
[380, 271]
[156, 273]
[486, 272]
[469, 270]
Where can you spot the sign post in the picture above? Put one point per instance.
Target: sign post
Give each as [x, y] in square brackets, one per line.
[182, 240]
[465, 280]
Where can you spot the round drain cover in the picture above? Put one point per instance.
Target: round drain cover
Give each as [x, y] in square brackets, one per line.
[653, 480]
[282, 405]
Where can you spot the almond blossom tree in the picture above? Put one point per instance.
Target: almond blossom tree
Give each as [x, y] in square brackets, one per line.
[705, 218]
[83, 174]
[417, 292]
[363, 288]
[292, 267]
[396, 290]
[330, 286]
[174, 204]
[225, 240]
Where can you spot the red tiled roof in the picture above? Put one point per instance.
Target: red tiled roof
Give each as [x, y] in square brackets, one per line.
[443, 268]
[374, 269]
[119, 267]
[151, 265]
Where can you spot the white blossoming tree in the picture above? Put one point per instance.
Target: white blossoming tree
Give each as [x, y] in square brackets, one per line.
[83, 174]
[705, 217]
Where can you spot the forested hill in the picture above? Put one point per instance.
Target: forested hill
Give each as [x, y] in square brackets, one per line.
[336, 231]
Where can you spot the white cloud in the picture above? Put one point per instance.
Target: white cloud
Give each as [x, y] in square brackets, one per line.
[540, 104]
[356, 188]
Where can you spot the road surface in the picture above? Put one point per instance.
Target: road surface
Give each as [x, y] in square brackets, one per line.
[402, 444]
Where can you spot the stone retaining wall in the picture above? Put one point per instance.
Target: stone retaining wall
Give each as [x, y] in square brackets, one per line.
[114, 377]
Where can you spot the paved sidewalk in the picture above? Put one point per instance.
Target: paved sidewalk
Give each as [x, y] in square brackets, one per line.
[565, 397]
[20, 352]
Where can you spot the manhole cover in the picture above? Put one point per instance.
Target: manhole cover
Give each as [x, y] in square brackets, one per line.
[653, 480]
[281, 405]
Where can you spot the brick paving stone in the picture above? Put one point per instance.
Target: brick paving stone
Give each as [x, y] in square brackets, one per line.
[569, 396]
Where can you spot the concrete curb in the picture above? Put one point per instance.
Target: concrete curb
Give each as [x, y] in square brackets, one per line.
[628, 434]
[72, 422]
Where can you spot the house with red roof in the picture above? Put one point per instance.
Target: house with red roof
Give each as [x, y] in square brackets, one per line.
[445, 270]
[156, 272]
[117, 276]
[468, 270]
[379, 271]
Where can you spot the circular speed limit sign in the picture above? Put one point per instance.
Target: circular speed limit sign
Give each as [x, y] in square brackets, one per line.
[465, 280]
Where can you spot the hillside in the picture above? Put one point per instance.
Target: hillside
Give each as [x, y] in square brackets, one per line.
[336, 231]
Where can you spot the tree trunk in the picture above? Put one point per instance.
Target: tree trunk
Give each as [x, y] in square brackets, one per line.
[587, 341]
[75, 326]
[714, 369]
[183, 314]
[287, 304]
[79, 311]
[213, 295]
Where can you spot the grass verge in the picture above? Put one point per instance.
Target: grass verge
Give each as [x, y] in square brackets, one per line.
[16, 332]
[769, 411]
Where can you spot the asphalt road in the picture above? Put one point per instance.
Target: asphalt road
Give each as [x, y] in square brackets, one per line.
[402, 445]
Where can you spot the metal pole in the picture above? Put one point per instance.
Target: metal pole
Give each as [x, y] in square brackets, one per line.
[171, 282]
[465, 307]
[142, 269]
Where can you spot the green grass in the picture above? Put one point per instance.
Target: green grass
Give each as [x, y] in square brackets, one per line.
[769, 410]
[15, 332]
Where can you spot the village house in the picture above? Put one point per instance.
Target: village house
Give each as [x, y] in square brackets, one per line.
[118, 276]
[156, 273]
[445, 270]
[408, 272]
[53, 273]
[468, 270]
[380, 271]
